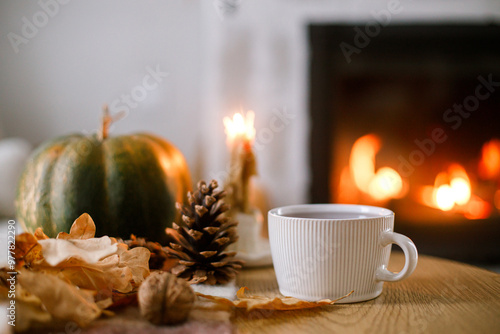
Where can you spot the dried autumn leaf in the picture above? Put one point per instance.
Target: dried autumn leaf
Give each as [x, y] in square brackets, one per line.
[30, 310]
[83, 228]
[96, 276]
[121, 271]
[250, 303]
[92, 250]
[118, 278]
[62, 300]
[76, 276]
[126, 269]
[28, 249]
[159, 258]
[39, 235]
[137, 259]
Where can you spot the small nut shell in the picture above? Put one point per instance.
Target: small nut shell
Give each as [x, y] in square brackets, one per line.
[165, 299]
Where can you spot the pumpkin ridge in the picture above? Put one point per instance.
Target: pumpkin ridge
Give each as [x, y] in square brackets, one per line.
[155, 154]
[136, 167]
[105, 198]
[43, 190]
[46, 203]
[78, 150]
[177, 164]
[134, 182]
[116, 182]
[175, 156]
[106, 171]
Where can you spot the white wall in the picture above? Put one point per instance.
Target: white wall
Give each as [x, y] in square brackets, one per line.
[258, 59]
[93, 51]
[90, 53]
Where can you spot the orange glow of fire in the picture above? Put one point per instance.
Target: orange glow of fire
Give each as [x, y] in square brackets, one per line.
[240, 127]
[497, 199]
[452, 190]
[476, 208]
[489, 165]
[382, 184]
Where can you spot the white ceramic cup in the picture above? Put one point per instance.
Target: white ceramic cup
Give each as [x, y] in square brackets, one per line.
[327, 250]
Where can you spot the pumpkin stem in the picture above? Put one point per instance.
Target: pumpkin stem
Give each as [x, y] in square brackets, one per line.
[106, 122]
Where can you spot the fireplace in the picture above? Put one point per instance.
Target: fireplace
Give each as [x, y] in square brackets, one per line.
[409, 119]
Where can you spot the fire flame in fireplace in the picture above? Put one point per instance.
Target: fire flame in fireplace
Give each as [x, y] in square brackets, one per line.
[474, 194]
[452, 191]
[496, 199]
[489, 166]
[380, 184]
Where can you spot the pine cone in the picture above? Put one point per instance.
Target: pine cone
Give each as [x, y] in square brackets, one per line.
[200, 242]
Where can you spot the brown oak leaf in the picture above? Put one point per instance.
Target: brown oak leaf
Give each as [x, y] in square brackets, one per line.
[250, 302]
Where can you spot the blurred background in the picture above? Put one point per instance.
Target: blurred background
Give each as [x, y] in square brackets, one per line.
[371, 102]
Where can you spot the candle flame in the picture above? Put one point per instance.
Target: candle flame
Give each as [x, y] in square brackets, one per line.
[240, 126]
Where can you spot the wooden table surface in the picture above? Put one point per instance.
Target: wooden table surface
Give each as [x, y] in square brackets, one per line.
[441, 296]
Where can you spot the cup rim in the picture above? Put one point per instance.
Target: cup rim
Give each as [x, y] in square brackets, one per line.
[288, 210]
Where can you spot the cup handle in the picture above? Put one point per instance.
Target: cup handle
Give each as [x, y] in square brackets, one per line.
[411, 257]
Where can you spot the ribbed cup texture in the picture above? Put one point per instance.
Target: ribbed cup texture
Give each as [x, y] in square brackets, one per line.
[317, 259]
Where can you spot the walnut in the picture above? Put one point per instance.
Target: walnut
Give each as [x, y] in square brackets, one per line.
[165, 299]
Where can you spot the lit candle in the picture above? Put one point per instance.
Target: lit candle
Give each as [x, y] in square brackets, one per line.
[240, 133]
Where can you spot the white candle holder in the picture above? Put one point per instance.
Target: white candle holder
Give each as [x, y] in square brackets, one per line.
[251, 246]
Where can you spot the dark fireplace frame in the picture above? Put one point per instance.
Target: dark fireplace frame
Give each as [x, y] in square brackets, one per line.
[325, 63]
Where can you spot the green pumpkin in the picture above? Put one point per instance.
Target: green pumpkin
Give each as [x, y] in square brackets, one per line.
[128, 184]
